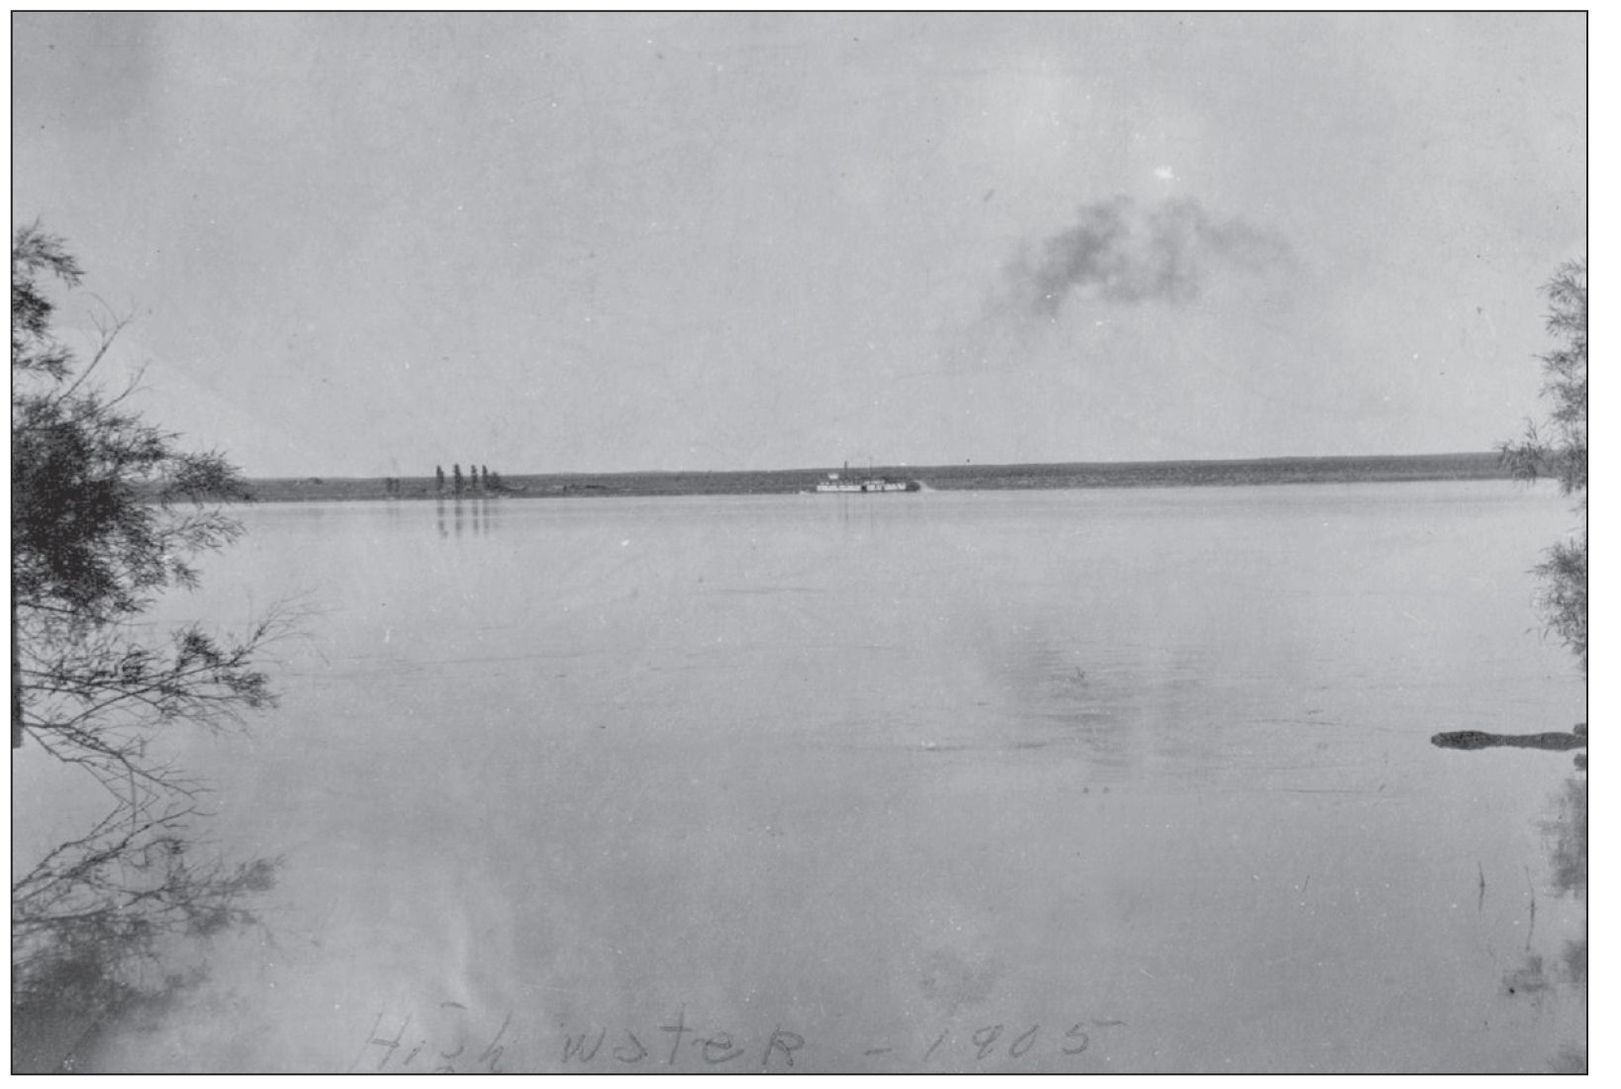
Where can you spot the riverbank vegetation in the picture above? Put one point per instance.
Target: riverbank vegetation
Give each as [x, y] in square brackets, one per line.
[1557, 448]
[107, 513]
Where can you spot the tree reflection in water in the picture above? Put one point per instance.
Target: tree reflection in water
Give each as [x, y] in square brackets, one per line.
[107, 927]
[1535, 979]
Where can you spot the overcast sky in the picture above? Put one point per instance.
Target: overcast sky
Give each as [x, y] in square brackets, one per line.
[366, 245]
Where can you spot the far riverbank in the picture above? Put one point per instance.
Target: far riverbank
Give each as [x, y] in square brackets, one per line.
[967, 477]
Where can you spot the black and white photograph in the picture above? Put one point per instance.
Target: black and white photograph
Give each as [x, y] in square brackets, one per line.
[894, 543]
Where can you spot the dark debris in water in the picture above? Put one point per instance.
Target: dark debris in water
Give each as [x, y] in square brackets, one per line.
[1529, 979]
[1477, 739]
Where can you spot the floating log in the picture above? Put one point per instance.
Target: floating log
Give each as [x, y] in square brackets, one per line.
[1476, 739]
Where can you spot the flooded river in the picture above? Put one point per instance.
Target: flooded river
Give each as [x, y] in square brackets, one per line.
[1128, 780]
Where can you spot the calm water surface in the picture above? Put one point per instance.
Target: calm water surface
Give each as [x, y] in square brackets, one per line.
[1054, 781]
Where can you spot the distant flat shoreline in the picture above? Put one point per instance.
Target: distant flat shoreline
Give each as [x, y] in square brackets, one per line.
[968, 477]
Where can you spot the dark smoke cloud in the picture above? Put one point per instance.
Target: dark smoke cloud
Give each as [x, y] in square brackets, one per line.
[1123, 253]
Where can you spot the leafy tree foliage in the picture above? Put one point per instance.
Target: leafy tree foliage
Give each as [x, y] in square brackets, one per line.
[107, 513]
[1559, 449]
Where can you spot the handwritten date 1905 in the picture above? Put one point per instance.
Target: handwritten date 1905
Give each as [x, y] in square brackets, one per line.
[676, 1041]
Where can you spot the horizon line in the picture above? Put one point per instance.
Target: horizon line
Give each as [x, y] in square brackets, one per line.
[919, 467]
